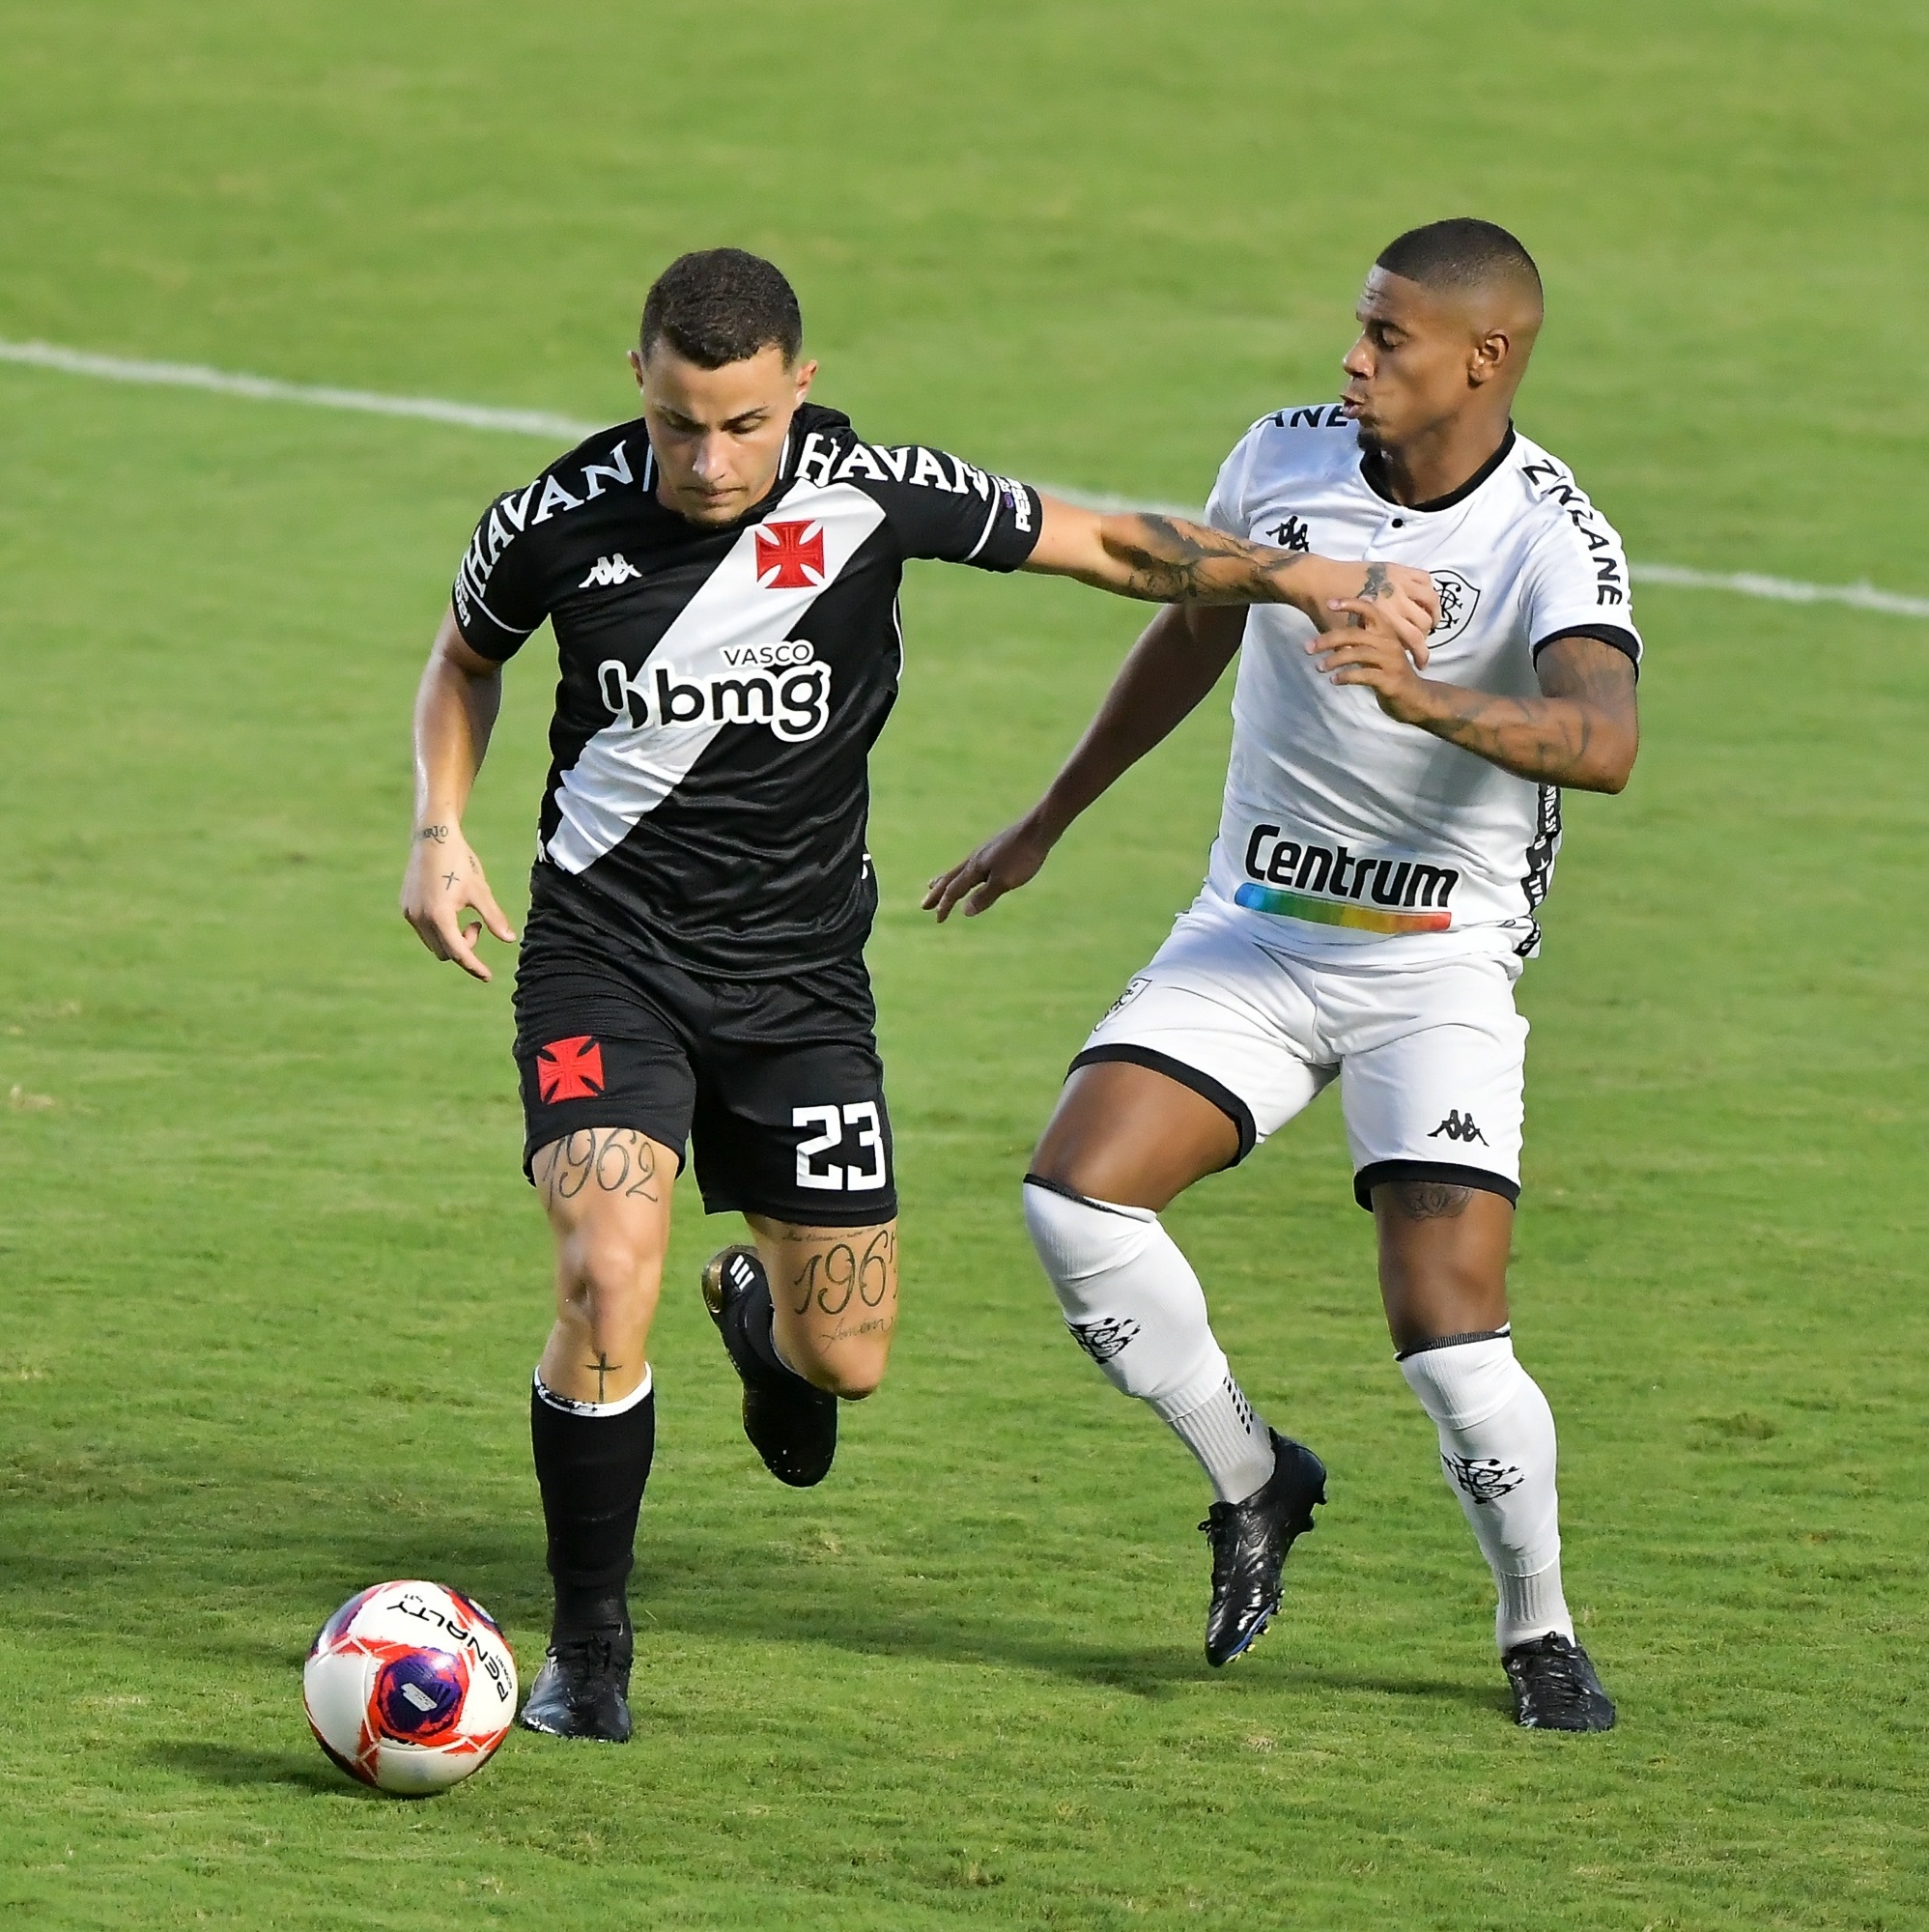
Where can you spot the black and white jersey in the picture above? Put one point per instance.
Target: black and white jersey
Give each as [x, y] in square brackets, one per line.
[1343, 828]
[722, 687]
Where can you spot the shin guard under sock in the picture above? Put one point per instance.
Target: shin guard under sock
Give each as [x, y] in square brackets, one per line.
[1134, 1305]
[593, 1461]
[1497, 1452]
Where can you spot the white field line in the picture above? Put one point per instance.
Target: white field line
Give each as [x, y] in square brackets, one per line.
[565, 429]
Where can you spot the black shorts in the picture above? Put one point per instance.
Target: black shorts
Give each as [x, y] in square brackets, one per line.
[777, 1081]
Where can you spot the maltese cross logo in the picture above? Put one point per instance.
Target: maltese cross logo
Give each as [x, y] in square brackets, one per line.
[794, 551]
[570, 1069]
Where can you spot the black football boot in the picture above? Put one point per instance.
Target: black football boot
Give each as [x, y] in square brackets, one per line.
[792, 1425]
[1249, 1544]
[582, 1689]
[1555, 1688]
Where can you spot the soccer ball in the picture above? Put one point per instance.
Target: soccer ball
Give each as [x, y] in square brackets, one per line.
[409, 1687]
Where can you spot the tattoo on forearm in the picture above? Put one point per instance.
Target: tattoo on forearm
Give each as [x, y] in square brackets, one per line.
[617, 1160]
[1175, 563]
[1551, 739]
[1431, 1199]
[433, 834]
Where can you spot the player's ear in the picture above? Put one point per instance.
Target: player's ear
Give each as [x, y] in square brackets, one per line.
[636, 366]
[804, 372]
[1488, 357]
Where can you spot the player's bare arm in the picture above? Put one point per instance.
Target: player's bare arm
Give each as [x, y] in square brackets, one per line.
[455, 711]
[1163, 560]
[1177, 659]
[1581, 733]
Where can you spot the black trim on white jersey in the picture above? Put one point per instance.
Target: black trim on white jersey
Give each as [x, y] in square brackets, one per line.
[1372, 470]
[1611, 635]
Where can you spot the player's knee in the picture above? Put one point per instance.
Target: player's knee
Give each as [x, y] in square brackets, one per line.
[852, 1380]
[1081, 1242]
[608, 1279]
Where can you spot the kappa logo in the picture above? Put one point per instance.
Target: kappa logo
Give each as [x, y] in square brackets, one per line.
[790, 557]
[1103, 1338]
[1292, 534]
[1457, 599]
[570, 1069]
[607, 570]
[1484, 1479]
[1458, 1126]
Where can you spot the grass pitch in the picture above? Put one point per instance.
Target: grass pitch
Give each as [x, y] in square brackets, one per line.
[271, 1282]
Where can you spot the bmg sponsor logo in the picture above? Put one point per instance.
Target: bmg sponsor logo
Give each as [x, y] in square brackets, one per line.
[785, 686]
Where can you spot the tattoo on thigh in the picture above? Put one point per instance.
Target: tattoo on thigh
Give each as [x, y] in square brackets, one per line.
[1431, 1199]
[832, 1276]
[619, 1160]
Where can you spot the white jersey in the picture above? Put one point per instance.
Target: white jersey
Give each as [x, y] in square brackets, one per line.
[1342, 827]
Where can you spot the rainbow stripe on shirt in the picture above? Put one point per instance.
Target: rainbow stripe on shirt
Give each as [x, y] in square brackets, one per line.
[1338, 912]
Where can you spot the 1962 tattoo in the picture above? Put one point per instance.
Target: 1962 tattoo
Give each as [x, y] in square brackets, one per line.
[832, 1275]
[617, 1160]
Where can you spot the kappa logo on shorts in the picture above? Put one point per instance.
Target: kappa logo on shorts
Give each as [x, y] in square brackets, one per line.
[1103, 1338]
[1458, 1126]
[1484, 1478]
[570, 1069]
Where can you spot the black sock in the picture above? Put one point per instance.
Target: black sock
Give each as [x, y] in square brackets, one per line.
[757, 1314]
[592, 1469]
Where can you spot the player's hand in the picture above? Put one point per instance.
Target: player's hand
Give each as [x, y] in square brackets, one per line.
[444, 881]
[1401, 599]
[1380, 654]
[998, 866]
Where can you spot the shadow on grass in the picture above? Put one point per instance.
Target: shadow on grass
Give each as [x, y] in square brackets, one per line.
[703, 1590]
[231, 1765]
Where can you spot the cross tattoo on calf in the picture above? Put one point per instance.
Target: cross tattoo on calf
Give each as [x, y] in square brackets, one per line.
[604, 1368]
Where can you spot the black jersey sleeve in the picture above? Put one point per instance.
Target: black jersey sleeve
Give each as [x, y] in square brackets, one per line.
[498, 592]
[936, 504]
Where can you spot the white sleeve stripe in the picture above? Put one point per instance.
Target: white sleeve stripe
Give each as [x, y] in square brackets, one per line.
[990, 524]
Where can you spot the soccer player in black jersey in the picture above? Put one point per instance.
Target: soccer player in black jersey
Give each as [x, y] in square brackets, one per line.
[722, 576]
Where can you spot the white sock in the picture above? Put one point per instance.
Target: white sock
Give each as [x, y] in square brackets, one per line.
[1497, 1452]
[1134, 1305]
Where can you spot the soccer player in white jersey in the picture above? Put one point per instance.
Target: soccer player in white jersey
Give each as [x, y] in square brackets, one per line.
[1388, 835]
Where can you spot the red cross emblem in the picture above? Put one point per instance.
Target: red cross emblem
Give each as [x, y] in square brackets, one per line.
[795, 551]
[570, 1069]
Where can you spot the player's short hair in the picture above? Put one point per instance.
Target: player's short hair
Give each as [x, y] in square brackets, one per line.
[1461, 253]
[721, 306]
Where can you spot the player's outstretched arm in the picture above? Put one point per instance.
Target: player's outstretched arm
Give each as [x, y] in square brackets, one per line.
[1177, 661]
[455, 711]
[1169, 560]
[1582, 731]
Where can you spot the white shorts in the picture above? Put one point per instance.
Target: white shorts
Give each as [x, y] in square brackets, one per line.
[1430, 1055]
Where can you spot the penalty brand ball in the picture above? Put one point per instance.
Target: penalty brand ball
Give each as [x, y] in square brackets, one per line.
[409, 1687]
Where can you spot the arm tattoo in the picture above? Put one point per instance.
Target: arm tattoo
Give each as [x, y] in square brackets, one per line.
[1172, 562]
[1551, 739]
